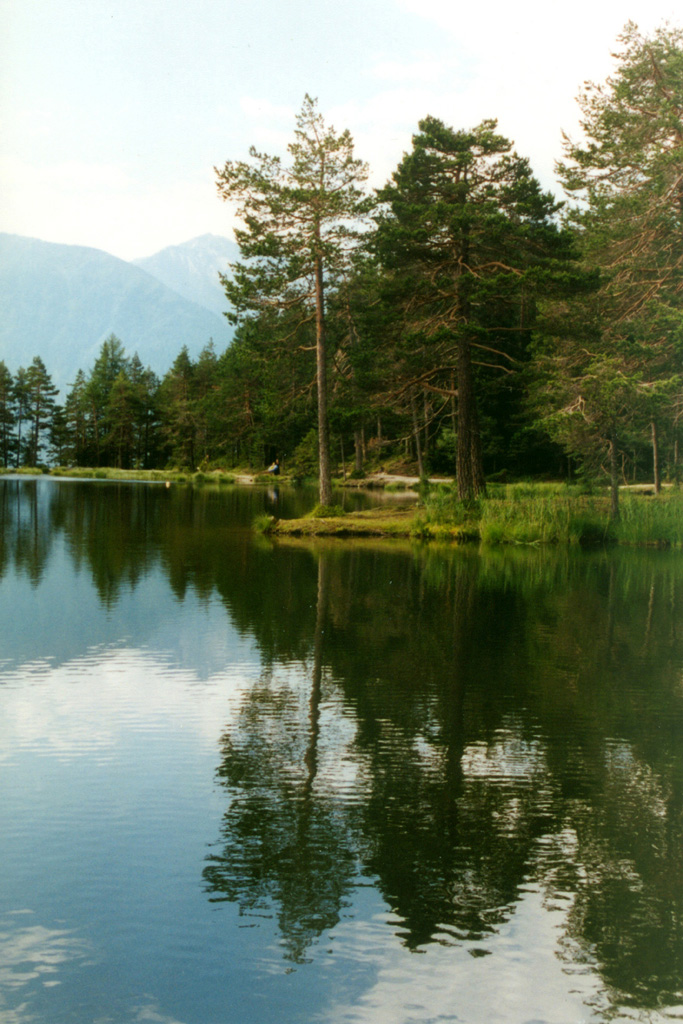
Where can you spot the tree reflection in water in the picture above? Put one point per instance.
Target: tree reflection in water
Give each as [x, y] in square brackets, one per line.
[450, 727]
[286, 843]
[493, 723]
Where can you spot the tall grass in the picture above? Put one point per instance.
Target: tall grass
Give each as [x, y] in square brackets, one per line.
[159, 475]
[522, 513]
[544, 518]
[651, 520]
[555, 513]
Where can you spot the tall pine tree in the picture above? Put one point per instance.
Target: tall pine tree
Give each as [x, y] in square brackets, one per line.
[301, 223]
[469, 239]
[627, 174]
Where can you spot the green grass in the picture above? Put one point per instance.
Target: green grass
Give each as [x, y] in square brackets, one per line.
[656, 521]
[553, 513]
[108, 473]
[544, 516]
[393, 487]
[158, 475]
[326, 512]
[263, 523]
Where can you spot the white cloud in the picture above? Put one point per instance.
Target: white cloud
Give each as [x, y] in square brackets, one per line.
[101, 205]
[87, 705]
[424, 70]
[155, 138]
[34, 952]
[526, 976]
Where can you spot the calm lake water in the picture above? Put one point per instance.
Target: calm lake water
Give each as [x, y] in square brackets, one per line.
[248, 782]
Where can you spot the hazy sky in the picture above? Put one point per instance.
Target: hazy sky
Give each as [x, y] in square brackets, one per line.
[114, 112]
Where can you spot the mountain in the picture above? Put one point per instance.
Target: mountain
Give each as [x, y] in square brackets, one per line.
[192, 269]
[60, 302]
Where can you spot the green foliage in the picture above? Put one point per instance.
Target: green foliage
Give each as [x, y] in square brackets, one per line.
[301, 222]
[469, 242]
[470, 329]
[522, 513]
[7, 416]
[263, 523]
[441, 504]
[304, 460]
[649, 520]
[609, 382]
[327, 512]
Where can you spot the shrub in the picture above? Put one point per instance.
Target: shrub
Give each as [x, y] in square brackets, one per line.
[327, 512]
[263, 523]
[589, 531]
[304, 460]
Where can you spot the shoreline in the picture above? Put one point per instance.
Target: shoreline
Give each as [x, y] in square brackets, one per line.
[516, 514]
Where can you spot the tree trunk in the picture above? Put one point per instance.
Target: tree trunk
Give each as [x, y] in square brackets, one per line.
[655, 458]
[614, 477]
[427, 417]
[677, 474]
[311, 755]
[18, 453]
[325, 487]
[469, 469]
[358, 446]
[416, 435]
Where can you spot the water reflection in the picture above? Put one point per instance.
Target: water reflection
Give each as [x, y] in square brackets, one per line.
[460, 734]
[490, 744]
[287, 844]
[31, 953]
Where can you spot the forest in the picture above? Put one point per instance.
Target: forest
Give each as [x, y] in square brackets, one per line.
[459, 320]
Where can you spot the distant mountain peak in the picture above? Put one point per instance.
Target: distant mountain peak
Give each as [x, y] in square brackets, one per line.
[60, 302]
[192, 268]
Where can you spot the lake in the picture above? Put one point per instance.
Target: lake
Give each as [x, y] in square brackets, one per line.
[249, 781]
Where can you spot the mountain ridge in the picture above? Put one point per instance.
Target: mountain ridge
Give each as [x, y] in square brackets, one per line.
[60, 302]
[191, 268]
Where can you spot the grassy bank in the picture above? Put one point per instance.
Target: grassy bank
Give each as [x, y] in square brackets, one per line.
[520, 514]
[145, 475]
[385, 521]
[558, 514]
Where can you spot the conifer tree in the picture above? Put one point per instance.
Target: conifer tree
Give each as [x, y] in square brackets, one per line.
[469, 239]
[20, 401]
[40, 406]
[145, 385]
[627, 174]
[80, 448]
[301, 224]
[177, 397]
[6, 414]
[110, 362]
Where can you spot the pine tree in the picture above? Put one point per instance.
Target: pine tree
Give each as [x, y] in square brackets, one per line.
[20, 399]
[468, 239]
[6, 414]
[301, 225]
[122, 413]
[627, 175]
[177, 397]
[110, 362]
[40, 406]
[145, 386]
[79, 449]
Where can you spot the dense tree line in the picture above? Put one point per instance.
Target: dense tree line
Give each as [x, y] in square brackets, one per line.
[458, 318]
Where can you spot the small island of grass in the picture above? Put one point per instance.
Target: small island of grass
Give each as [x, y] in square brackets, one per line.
[522, 513]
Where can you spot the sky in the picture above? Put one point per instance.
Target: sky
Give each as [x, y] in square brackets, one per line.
[114, 113]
